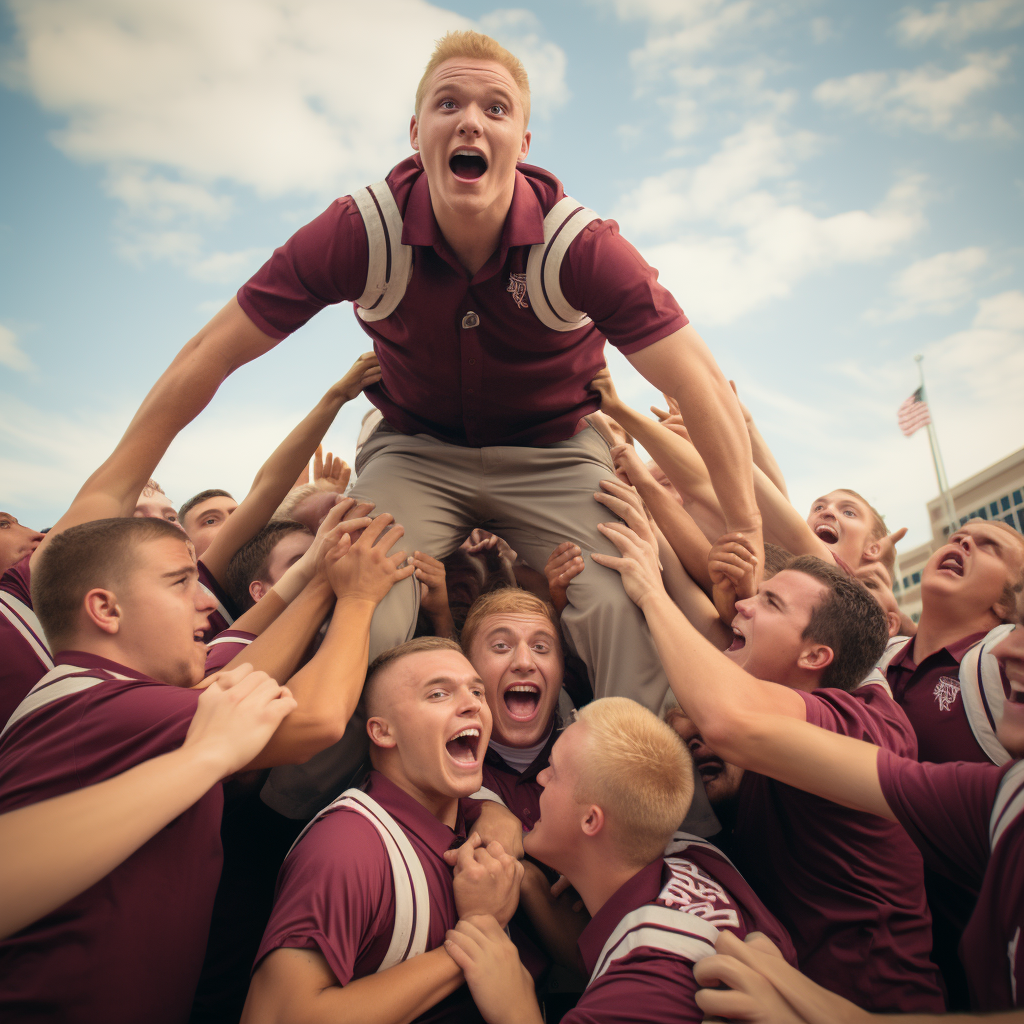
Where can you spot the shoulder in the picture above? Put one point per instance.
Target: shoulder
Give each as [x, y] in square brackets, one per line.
[364, 860]
[867, 713]
[17, 581]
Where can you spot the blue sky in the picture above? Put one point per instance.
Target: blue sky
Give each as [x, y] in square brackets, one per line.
[827, 188]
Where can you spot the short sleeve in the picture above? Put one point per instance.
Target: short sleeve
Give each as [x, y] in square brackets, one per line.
[868, 714]
[225, 647]
[333, 893]
[16, 581]
[640, 988]
[606, 278]
[323, 263]
[945, 809]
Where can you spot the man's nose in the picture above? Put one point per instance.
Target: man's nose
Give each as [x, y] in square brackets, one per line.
[471, 122]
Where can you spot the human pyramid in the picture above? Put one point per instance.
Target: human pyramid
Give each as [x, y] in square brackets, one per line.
[515, 727]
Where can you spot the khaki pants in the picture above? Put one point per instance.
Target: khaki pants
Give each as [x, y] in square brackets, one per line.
[534, 498]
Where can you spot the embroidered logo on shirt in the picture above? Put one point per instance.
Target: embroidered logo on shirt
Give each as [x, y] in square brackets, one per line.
[517, 286]
[946, 692]
[690, 889]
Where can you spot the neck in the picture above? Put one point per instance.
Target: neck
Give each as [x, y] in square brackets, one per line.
[442, 806]
[473, 234]
[941, 626]
[597, 877]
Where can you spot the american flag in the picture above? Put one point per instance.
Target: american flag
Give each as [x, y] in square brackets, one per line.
[913, 413]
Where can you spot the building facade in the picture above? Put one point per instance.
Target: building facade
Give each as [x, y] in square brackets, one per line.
[995, 493]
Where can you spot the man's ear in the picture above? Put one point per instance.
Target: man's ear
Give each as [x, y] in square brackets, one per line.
[816, 658]
[593, 821]
[103, 611]
[524, 149]
[414, 133]
[258, 590]
[893, 619]
[380, 732]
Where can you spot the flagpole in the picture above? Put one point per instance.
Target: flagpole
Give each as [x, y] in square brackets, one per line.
[940, 469]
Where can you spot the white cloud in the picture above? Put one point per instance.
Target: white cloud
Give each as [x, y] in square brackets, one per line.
[184, 102]
[955, 22]
[938, 284]
[725, 243]
[11, 355]
[927, 98]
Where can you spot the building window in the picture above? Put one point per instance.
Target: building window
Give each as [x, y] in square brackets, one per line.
[906, 582]
[963, 519]
[994, 508]
[916, 578]
[916, 617]
[981, 514]
[1017, 498]
[1020, 519]
[1005, 502]
[1009, 521]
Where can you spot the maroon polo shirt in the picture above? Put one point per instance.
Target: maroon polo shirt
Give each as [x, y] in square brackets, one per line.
[335, 892]
[520, 791]
[848, 886]
[224, 647]
[945, 808]
[225, 613]
[507, 381]
[647, 985]
[24, 654]
[129, 948]
[929, 693]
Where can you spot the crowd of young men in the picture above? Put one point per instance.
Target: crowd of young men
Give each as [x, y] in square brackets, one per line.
[516, 726]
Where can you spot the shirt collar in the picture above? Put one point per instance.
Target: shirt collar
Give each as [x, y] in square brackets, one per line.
[413, 816]
[524, 224]
[83, 659]
[537, 765]
[642, 888]
[955, 650]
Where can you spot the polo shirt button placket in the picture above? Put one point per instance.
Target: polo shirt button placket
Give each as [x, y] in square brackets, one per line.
[469, 321]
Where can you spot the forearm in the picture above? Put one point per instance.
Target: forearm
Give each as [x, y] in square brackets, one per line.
[689, 598]
[280, 645]
[557, 924]
[327, 688]
[838, 768]
[764, 459]
[395, 996]
[677, 457]
[681, 532]
[783, 524]
[54, 850]
[271, 484]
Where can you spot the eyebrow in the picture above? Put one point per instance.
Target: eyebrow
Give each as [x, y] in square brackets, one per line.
[774, 595]
[507, 631]
[190, 570]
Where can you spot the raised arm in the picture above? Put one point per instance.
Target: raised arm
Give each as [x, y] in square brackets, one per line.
[182, 392]
[277, 475]
[54, 850]
[682, 365]
[327, 688]
[764, 459]
[714, 693]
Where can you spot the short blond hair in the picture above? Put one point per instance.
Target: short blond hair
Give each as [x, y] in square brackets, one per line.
[476, 46]
[639, 772]
[506, 601]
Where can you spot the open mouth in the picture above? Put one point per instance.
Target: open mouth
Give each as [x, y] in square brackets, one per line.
[462, 746]
[739, 641]
[953, 562]
[710, 768]
[829, 534]
[1015, 696]
[522, 701]
[467, 165]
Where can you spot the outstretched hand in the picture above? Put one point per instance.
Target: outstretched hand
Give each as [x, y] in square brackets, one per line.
[363, 372]
[732, 566]
[365, 569]
[638, 564]
[433, 592]
[238, 712]
[481, 541]
[761, 988]
[564, 564]
[332, 473]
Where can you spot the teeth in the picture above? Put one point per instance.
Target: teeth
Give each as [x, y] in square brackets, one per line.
[523, 688]
[465, 732]
[467, 152]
